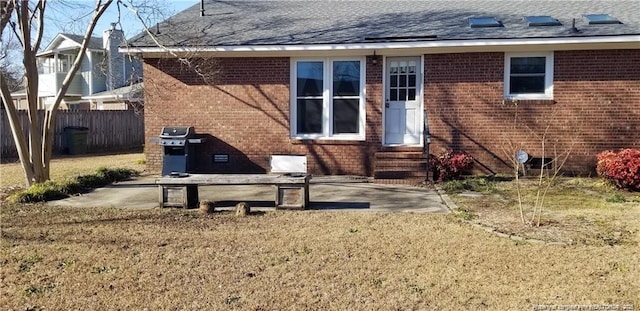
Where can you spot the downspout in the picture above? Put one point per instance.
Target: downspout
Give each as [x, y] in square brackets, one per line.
[90, 56]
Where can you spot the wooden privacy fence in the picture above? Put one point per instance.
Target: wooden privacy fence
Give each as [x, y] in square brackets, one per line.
[109, 130]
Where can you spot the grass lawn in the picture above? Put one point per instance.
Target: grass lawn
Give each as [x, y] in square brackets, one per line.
[110, 259]
[11, 174]
[54, 258]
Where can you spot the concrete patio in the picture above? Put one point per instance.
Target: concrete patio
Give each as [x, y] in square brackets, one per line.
[346, 193]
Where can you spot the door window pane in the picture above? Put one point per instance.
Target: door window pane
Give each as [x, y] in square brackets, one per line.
[402, 94]
[310, 78]
[412, 67]
[403, 67]
[412, 94]
[412, 80]
[403, 80]
[346, 78]
[394, 94]
[394, 80]
[394, 67]
[346, 116]
[309, 116]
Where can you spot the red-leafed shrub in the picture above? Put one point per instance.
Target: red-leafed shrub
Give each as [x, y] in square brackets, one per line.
[622, 168]
[450, 165]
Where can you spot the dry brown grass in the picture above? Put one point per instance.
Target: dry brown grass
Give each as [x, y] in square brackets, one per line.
[11, 174]
[110, 259]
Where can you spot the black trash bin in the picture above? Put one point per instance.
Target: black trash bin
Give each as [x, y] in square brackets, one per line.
[75, 138]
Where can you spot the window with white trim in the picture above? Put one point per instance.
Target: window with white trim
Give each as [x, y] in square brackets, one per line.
[327, 98]
[528, 75]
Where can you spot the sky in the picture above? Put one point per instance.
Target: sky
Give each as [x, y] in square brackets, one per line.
[71, 16]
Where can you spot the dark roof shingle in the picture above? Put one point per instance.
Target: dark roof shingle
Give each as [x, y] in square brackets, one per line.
[95, 43]
[240, 22]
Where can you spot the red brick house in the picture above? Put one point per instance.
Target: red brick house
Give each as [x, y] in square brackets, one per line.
[353, 84]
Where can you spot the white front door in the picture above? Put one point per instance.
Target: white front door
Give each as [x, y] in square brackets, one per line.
[402, 102]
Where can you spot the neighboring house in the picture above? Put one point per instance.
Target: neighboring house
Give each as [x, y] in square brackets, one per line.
[352, 84]
[104, 75]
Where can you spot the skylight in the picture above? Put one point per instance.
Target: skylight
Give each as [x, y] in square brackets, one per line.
[479, 22]
[599, 19]
[542, 20]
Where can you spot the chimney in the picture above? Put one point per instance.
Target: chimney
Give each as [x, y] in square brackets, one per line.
[106, 35]
[111, 39]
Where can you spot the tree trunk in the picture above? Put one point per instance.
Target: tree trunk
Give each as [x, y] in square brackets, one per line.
[35, 150]
[16, 130]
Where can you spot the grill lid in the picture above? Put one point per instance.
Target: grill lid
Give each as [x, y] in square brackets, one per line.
[176, 132]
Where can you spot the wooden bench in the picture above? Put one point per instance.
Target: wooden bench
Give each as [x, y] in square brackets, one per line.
[291, 185]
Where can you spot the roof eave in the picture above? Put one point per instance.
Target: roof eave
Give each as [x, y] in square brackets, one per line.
[627, 41]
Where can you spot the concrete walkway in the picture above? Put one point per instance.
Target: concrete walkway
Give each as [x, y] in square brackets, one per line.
[345, 193]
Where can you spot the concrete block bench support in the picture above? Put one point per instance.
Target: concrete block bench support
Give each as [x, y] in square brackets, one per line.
[292, 191]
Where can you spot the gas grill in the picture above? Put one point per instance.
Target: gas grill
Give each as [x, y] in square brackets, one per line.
[179, 144]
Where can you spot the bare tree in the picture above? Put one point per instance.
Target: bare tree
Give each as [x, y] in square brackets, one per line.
[25, 19]
[8, 46]
[554, 152]
[10, 71]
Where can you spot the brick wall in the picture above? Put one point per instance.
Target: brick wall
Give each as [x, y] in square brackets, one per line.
[596, 106]
[241, 108]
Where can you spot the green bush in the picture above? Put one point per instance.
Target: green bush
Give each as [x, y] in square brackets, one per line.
[46, 191]
[51, 190]
[115, 174]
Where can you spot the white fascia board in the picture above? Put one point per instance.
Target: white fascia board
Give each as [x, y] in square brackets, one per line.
[49, 49]
[51, 52]
[634, 39]
[114, 97]
[51, 44]
[74, 41]
[103, 97]
[75, 102]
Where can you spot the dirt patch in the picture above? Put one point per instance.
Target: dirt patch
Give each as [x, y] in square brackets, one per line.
[110, 259]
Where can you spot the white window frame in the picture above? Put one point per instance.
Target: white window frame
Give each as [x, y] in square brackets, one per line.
[327, 100]
[548, 76]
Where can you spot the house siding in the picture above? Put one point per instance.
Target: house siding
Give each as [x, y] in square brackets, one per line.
[84, 74]
[243, 111]
[596, 106]
[99, 78]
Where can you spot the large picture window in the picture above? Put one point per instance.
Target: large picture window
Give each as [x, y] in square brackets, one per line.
[528, 76]
[327, 99]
